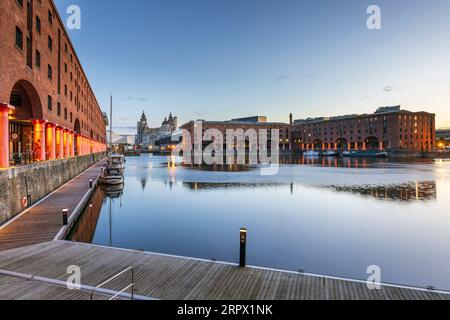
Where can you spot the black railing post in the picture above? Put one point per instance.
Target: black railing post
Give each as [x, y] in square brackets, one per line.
[243, 247]
[65, 214]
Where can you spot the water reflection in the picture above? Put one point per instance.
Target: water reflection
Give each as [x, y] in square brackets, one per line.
[419, 191]
[86, 225]
[114, 191]
[407, 192]
[325, 220]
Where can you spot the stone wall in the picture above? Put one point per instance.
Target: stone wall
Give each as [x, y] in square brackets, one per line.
[40, 179]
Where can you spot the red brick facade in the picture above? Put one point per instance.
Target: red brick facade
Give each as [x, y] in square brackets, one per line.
[284, 132]
[392, 130]
[42, 79]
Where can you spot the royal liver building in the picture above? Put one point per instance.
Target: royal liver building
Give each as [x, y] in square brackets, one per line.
[147, 136]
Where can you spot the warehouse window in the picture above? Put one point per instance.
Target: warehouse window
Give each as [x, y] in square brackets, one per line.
[19, 38]
[49, 103]
[38, 59]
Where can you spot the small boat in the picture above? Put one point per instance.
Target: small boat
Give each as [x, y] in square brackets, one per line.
[111, 176]
[364, 154]
[113, 191]
[311, 153]
[330, 153]
[132, 153]
[116, 161]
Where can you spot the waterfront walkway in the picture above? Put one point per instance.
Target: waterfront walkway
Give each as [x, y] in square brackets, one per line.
[43, 221]
[168, 277]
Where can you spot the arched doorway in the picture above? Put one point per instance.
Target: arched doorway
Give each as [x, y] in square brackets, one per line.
[372, 143]
[27, 107]
[342, 144]
[317, 144]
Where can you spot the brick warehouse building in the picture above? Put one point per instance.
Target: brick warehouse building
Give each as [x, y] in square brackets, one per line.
[389, 128]
[47, 107]
[253, 123]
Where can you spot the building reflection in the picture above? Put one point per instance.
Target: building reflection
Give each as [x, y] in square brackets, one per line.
[143, 182]
[419, 191]
[292, 159]
[339, 162]
[219, 167]
[86, 225]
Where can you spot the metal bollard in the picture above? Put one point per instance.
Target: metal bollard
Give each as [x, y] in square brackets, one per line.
[243, 248]
[65, 214]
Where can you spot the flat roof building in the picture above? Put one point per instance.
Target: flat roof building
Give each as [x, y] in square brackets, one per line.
[389, 128]
[254, 119]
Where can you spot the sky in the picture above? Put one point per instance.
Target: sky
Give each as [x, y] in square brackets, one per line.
[223, 59]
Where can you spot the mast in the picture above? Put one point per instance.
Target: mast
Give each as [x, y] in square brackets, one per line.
[110, 123]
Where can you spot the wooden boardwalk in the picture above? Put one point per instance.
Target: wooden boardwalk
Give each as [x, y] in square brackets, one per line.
[168, 277]
[42, 222]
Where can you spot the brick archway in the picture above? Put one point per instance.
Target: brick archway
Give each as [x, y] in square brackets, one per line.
[26, 101]
[342, 144]
[372, 143]
[25, 144]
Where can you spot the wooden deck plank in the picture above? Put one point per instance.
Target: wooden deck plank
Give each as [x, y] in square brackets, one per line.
[166, 277]
[42, 222]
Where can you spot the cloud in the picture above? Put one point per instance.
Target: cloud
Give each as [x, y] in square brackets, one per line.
[282, 77]
[139, 99]
[391, 88]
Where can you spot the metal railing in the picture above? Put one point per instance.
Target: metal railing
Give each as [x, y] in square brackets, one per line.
[121, 291]
[22, 158]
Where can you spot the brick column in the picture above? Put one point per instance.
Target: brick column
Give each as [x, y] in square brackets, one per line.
[82, 146]
[4, 134]
[39, 147]
[50, 140]
[59, 142]
[71, 144]
[78, 139]
[66, 144]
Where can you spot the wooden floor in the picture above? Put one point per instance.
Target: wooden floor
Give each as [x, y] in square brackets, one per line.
[42, 222]
[167, 277]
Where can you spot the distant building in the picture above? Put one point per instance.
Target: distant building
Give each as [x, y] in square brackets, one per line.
[388, 128]
[120, 139]
[169, 141]
[443, 134]
[254, 119]
[223, 126]
[147, 137]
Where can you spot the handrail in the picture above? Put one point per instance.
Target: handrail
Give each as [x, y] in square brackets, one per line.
[114, 277]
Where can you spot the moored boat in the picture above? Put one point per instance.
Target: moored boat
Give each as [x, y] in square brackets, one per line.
[110, 176]
[311, 153]
[364, 154]
[116, 161]
[330, 153]
[132, 153]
